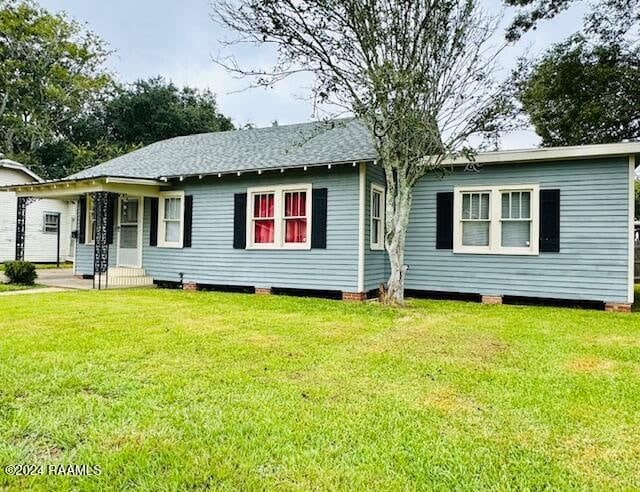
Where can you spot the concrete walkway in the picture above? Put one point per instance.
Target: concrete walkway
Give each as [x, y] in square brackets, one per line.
[39, 290]
[63, 278]
[58, 280]
[54, 280]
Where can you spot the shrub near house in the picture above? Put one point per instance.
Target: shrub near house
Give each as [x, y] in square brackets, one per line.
[20, 272]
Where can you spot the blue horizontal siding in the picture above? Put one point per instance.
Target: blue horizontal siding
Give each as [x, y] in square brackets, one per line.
[84, 258]
[592, 263]
[376, 262]
[212, 259]
[593, 260]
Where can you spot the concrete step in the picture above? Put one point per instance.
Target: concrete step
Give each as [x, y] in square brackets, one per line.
[130, 282]
[125, 272]
[128, 277]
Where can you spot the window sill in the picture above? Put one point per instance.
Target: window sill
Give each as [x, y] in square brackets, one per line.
[377, 248]
[498, 252]
[170, 246]
[303, 247]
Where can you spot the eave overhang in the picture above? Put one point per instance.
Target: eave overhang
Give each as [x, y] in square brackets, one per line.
[72, 188]
[549, 154]
[280, 169]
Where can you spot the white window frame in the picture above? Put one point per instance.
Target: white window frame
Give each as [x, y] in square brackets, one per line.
[89, 232]
[377, 244]
[162, 243]
[495, 220]
[44, 222]
[278, 216]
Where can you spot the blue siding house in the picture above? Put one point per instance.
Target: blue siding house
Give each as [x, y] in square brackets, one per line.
[301, 208]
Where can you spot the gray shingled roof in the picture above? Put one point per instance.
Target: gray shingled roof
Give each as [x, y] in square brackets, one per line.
[275, 147]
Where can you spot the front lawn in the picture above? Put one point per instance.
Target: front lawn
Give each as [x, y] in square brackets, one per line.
[174, 390]
[11, 287]
[46, 266]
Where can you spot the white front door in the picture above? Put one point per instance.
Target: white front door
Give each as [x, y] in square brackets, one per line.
[129, 231]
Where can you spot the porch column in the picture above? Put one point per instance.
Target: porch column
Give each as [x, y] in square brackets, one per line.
[21, 222]
[102, 209]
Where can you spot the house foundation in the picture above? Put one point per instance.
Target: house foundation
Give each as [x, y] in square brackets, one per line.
[617, 307]
[491, 299]
[354, 296]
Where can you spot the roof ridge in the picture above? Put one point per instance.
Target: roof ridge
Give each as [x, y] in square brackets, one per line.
[262, 128]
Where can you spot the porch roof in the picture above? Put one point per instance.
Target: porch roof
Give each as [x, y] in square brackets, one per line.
[70, 188]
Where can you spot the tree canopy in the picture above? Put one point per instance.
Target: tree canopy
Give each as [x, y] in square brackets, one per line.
[62, 111]
[51, 70]
[607, 19]
[583, 90]
[152, 110]
[580, 93]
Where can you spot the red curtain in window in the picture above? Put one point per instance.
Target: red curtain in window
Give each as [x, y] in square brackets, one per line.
[263, 205]
[263, 209]
[264, 232]
[295, 205]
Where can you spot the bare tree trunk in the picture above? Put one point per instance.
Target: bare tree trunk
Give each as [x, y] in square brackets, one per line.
[8, 141]
[3, 104]
[398, 207]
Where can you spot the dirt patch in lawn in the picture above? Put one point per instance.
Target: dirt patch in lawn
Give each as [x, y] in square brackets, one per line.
[450, 401]
[591, 365]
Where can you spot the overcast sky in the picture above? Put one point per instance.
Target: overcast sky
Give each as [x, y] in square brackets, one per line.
[177, 39]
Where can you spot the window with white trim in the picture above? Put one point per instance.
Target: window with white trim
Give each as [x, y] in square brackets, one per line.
[170, 219]
[476, 218]
[279, 217]
[90, 226]
[515, 219]
[51, 222]
[496, 220]
[377, 217]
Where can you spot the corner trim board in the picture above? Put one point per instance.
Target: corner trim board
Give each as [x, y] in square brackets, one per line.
[632, 175]
[362, 182]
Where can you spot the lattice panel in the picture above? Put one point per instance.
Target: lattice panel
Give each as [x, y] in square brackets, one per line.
[101, 246]
[21, 225]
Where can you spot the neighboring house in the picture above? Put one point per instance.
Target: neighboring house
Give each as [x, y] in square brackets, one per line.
[301, 207]
[45, 219]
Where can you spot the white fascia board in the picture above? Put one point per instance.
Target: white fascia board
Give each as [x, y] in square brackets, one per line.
[549, 154]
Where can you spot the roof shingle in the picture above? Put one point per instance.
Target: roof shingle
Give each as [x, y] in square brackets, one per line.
[274, 147]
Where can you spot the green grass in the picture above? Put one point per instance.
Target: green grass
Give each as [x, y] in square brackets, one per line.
[46, 266]
[174, 390]
[11, 287]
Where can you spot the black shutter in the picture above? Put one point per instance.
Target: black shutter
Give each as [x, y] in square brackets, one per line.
[319, 218]
[111, 208]
[82, 220]
[549, 221]
[153, 226]
[444, 220]
[240, 221]
[188, 221]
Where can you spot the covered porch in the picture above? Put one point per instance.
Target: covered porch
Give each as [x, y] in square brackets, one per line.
[109, 233]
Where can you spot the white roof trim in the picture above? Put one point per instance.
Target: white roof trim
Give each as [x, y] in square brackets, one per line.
[9, 164]
[550, 154]
[63, 187]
